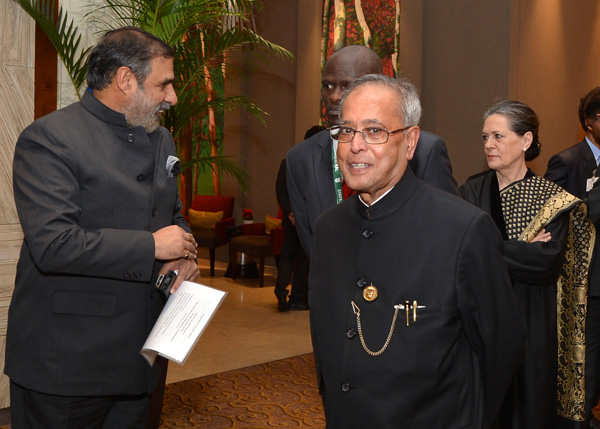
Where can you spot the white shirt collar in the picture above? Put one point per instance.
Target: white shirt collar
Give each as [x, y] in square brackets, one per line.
[595, 149]
[378, 199]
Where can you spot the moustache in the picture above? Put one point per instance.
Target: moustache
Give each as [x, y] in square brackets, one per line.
[163, 106]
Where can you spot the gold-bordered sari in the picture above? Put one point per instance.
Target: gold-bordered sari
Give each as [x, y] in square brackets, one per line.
[529, 206]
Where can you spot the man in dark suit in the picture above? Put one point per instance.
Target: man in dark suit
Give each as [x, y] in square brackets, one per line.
[293, 258]
[574, 167]
[95, 186]
[406, 333]
[592, 327]
[313, 183]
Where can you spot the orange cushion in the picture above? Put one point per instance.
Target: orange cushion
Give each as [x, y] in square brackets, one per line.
[271, 222]
[204, 220]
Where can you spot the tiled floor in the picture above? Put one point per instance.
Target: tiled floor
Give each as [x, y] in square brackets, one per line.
[246, 330]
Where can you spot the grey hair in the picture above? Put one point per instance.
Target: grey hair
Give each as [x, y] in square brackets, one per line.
[131, 47]
[409, 105]
[521, 120]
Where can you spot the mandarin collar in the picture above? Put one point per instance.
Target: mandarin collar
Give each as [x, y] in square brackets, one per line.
[401, 193]
[101, 111]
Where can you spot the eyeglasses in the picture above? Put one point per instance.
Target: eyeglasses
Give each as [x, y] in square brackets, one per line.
[371, 135]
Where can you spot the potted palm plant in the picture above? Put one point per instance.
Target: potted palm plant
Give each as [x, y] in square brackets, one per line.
[208, 37]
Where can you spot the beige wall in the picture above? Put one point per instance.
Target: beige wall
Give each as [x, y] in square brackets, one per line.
[554, 62]
[16, 111]
[308, 67]
[461, 68]
[470, 56]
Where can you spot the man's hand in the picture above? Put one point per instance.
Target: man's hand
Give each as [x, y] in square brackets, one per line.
[542, 236]
[291, 218]
[172, 242]
[186, 270]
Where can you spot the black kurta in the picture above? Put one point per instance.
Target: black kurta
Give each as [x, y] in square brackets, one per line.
[534, 269]
[452, 366]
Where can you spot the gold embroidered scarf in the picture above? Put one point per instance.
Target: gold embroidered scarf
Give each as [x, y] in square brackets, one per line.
[529, 206]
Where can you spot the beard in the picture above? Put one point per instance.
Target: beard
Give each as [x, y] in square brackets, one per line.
[143, 113]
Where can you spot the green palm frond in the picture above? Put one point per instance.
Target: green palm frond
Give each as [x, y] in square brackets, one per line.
[63, 35]
[236, 41]
[176, 119]
[225, 164]
[170, 20]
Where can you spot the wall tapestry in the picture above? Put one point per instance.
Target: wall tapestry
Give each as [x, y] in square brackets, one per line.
[374, 23]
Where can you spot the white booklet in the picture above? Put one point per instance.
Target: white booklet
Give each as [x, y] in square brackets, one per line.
[181, 323]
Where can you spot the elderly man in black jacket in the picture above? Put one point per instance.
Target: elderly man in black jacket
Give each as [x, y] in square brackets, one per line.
[413, 318]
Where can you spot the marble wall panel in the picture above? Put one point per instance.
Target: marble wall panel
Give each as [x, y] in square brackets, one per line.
[17, 36]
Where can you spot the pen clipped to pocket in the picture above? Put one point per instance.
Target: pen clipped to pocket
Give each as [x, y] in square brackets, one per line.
[164, 283]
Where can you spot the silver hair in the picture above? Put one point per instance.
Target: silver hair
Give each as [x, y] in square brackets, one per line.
[521, 120]
[409, 105]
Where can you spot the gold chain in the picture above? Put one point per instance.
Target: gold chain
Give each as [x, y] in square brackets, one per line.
[360, 334]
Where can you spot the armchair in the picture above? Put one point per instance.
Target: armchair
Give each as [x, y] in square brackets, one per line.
[217, 236]
[254, 241]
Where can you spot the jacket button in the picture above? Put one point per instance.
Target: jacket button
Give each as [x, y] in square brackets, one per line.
[350, 333]
[130, 138]
[154, 212]
[141, 177]
[367, 233]
[345, 387]
[361, 282]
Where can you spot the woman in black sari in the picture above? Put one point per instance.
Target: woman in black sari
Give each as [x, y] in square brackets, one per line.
[548, 241]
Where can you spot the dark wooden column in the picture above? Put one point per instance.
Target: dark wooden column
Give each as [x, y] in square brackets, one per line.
[45, 83]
